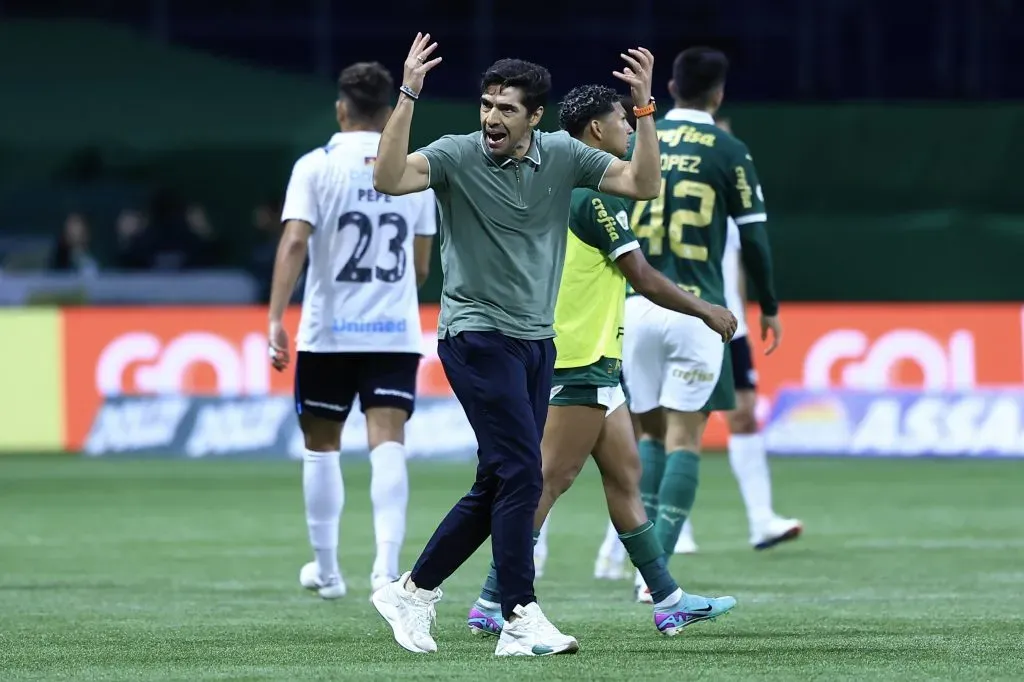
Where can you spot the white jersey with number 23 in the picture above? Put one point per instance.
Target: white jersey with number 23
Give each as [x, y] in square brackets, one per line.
[361, 283]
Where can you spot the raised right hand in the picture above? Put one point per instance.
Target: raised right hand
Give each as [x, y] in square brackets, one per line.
[416, 64]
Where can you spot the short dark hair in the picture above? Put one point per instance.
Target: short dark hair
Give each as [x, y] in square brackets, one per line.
[583, 104]
[367, 87]
[697, 72]
[534, 80]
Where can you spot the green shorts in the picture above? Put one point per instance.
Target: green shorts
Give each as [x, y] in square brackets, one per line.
[610, 398]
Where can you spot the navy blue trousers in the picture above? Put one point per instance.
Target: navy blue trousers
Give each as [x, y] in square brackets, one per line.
[504, 385]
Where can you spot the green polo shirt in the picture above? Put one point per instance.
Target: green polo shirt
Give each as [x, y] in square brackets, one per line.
[503, 229]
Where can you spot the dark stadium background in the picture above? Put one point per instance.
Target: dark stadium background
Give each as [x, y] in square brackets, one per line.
[783, 50]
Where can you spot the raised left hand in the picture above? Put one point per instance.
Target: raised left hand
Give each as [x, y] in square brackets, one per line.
[637, 74]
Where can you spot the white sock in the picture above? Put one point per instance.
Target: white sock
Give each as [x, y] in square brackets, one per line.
[750, 467]
[670, 600]
[685, 536]
[610, 544]
[324, 493]
[389, 492]
[618, 554]
[540, 548]
[687, 531]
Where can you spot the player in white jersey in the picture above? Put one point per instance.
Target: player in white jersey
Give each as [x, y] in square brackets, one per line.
[747, 455]
[359, 333]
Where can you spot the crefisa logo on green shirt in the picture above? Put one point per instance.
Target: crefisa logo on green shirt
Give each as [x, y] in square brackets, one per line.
[605, 219]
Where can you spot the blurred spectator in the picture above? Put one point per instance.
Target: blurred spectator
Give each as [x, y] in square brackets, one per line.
[205, 247]
[266, 221]
[133, 248]
[71, 250]
[170, 237]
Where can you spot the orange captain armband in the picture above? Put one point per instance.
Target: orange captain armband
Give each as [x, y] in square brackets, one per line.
[640, 112]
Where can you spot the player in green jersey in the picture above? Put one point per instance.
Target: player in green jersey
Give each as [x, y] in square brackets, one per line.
[676, 371]
[747, 456]
[586, 411]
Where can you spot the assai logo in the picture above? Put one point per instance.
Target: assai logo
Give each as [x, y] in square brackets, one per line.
[136, 424]
[898, 423]
[950, 424]
[246, 426]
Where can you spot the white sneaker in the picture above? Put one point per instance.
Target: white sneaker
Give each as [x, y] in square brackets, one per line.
[685, 545]
[532, 634]
[775, 531]
[379, 580]
[607, 568]
[641, 592]
[332, 587]
[410, 614]
[538, 564]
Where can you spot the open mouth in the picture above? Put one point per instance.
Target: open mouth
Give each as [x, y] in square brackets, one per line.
[495, 138]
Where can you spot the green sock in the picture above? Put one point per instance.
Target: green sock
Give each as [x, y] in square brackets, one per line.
[491, 591]
[675, 497]
[646, 553]
[652, 457]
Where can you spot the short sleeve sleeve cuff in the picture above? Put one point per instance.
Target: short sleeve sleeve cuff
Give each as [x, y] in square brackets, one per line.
[300, 199]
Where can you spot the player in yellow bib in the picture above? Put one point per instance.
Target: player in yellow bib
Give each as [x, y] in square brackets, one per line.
[587, 412]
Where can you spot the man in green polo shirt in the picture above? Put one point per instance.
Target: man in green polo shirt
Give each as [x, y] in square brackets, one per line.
[503, 193]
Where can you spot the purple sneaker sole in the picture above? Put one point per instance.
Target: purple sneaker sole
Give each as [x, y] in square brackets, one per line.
[672, 623]
[483, 624]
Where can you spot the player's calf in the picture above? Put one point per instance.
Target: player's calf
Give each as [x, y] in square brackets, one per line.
[389, 490]
[323, 492]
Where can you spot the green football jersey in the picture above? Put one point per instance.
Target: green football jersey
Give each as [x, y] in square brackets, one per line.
[707, 176]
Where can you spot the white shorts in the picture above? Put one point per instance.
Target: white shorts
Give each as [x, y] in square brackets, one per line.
[668, 359]
[612, 398]
[609, 397]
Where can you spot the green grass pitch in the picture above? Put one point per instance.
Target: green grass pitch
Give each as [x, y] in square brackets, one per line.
[187, 570]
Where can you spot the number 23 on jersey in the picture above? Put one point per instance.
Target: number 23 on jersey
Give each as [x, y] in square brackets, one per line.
[352, 271]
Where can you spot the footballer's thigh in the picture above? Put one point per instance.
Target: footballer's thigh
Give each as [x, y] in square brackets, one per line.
[324, 393]
[643, 354]
[618, 460]
[694, 367]
[575, 417]
[693, 382]
[387, 394]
